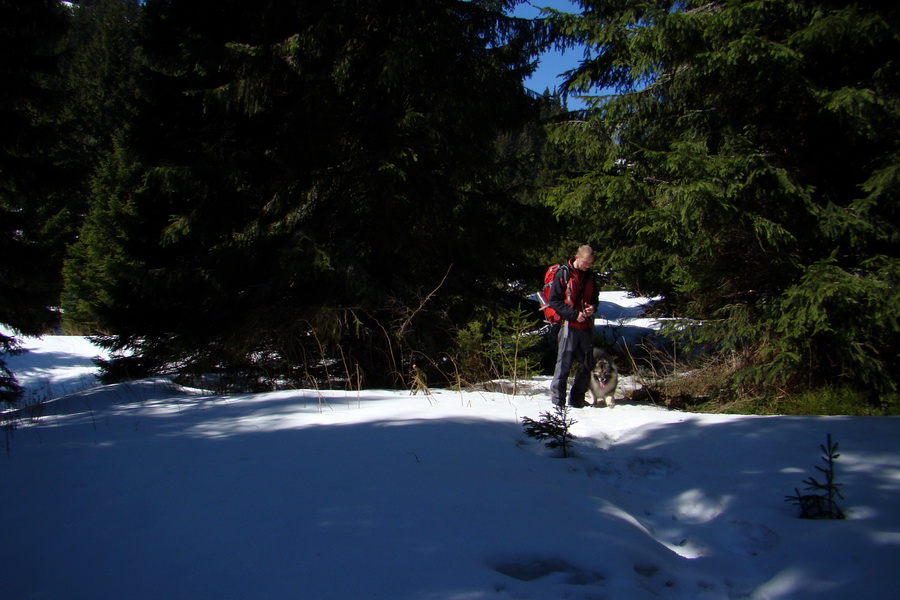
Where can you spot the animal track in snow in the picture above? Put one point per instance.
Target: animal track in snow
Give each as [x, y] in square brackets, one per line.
[532, 569]
[754, 538]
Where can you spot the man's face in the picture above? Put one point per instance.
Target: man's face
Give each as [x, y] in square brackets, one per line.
[583, 263]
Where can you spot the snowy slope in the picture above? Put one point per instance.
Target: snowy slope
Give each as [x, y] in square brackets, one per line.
[148, 491]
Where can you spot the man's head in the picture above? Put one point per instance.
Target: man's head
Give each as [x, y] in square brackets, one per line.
[584, 258]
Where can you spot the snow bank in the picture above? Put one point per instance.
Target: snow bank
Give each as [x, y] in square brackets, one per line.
[147, 491]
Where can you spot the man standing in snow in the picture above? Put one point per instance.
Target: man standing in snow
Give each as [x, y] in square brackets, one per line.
[574, 295]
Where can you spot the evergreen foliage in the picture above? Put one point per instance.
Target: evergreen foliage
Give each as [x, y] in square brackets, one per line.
[744, 165]
[103, 57]
[268, 189]
[302, 181]
[821, 506]
[529, 161]
[553, 428]
[101, 60]
[32, 180]
[502, 347]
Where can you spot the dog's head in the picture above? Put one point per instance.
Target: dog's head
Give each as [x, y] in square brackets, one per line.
[601, 371]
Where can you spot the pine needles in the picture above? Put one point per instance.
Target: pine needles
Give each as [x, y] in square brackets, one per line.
[552, 428]
[821, 506]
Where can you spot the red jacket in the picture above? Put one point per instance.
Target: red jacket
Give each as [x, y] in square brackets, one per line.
[569, 300]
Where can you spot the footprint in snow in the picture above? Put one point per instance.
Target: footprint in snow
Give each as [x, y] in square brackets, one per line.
[754, 538]
[651, 468]
[533, 569]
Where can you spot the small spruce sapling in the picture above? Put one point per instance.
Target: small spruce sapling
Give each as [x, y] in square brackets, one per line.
[552, 427]
[821, 506]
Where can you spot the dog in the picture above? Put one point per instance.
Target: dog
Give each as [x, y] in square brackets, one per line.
[604, 378]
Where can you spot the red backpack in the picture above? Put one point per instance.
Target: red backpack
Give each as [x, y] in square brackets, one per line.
[550, 315]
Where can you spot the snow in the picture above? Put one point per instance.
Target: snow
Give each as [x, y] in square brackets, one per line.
[147, 490]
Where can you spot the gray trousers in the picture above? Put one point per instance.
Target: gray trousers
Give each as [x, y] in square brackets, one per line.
[574, 345]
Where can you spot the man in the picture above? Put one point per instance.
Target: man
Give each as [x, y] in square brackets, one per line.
[574, 295]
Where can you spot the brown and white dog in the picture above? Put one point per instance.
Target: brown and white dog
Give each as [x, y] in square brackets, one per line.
[604, 378]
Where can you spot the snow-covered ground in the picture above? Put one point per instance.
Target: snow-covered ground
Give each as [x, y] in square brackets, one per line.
[149, 491]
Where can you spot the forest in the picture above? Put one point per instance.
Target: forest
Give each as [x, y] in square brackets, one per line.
[290, 193]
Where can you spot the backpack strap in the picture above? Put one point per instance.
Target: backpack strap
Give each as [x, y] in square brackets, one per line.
[564, 269]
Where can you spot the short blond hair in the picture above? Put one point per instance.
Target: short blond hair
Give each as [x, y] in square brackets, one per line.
[585, 250]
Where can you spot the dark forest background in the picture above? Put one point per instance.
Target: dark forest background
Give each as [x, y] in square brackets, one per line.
[276, 189]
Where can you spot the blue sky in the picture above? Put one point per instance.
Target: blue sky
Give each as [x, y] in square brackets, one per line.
[555, 62]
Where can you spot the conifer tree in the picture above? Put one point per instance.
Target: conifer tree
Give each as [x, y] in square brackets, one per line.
[32, 208]
[745, 166]
[528, 163]
[100, 72]
[303, 179]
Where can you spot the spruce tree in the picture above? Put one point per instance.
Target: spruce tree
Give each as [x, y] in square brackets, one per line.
[553, 428]
[745, 166]
[304, 181]
[101, 59]
[100, 71]
[33, 217]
